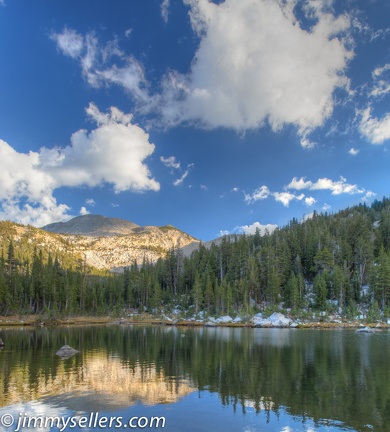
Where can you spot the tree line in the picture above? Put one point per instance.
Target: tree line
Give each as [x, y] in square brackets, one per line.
[329, 261]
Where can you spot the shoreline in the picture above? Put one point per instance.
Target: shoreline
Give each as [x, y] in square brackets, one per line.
[37, 321]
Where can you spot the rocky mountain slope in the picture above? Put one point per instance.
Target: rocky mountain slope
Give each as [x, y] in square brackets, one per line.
[104, 243]
[94, 226]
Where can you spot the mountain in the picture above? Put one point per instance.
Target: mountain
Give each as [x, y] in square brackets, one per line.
[93, 226]
[102, 242]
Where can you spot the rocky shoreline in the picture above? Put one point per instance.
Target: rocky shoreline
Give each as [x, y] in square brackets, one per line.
[275, 320]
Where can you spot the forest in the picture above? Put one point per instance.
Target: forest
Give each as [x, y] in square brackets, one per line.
[328, 262]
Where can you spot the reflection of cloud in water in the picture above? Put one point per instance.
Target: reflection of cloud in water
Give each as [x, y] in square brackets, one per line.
[101, 382]
[34, 409]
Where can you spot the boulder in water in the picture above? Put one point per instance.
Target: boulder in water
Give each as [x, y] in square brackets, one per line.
[1, 343]
[66, 352]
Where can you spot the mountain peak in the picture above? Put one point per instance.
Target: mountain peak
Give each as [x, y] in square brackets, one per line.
[91, 225]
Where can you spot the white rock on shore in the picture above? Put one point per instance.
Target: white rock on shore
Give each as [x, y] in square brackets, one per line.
[224, 319]
[279, 320]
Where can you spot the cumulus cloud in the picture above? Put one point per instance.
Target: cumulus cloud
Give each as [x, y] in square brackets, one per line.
[113, 153]
[259, 194]
[336, 187]
[256, 64]
[309, 201]
[353, 152]
[84, 211]
[170, 162]
[286, 197]
[377, 131]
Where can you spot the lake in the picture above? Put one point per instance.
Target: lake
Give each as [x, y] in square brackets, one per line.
[194, 379]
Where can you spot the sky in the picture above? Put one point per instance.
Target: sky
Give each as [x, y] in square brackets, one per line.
[215, 117]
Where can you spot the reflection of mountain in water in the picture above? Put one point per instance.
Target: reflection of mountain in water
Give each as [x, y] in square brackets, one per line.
[101, 382]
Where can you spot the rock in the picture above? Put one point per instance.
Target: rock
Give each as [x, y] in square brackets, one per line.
[294, 325]
[66, 352]
[1, 343]
[258, 315]
[365, 330]
[237, 320]
[224, 319]
[279, 320]
[388, 322]
[261, 322]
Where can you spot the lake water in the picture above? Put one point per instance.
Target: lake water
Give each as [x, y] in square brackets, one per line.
[195, 379]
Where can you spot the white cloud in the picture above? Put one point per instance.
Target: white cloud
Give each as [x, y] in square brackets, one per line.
[203, 187]
[326, 207]
[309, 201]
[165, 10]
[353, 152]
[170, 162]
[98, 65]
[90, 202]
[259, 194]
[381, 84]
[69, 42]
[179, 181]
[84, 211]
[235, 189]
[251, 229]
[286, 197]
[255, 64]
[112, 153]
[377, 131]
[308, 216]
[299, 184]
[369, 195]
[337, 187]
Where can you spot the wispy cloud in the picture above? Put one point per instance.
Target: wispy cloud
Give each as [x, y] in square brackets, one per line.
[377, 131]
[90, 202]
[104, 65]
[165, 10]
[179, 181]
[170, 162]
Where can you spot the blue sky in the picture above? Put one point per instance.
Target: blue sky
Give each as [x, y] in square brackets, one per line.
[212, 116]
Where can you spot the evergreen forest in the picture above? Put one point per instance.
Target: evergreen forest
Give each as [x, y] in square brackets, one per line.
[328, 262]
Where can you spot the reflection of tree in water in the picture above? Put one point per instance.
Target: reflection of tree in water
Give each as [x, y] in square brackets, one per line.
[320, 374]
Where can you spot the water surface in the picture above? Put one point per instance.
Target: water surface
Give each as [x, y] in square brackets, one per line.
[201, 379]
